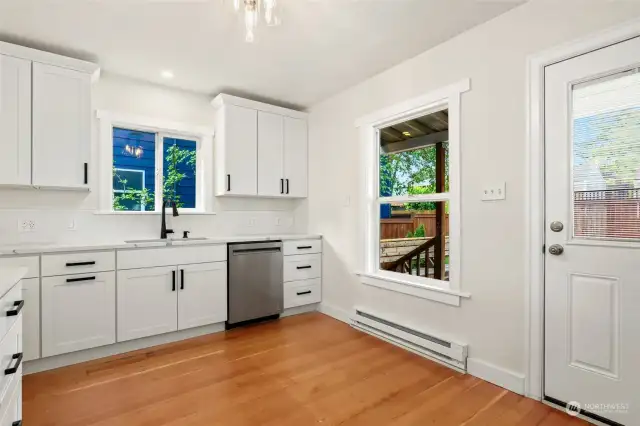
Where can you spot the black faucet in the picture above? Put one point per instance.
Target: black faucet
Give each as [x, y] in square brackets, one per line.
[163, 228]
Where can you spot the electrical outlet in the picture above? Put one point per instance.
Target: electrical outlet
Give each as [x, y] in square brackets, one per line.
[71, 225]
[27, 225]
[278, 221]
[252, 222]
[494, 192]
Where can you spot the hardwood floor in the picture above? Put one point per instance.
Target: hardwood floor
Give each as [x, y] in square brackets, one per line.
[303, 370]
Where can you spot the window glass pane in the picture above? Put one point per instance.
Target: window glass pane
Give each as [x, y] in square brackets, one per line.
[180, 172]
[414, 156]
[606, 158]
[134, 164]
[415, 242]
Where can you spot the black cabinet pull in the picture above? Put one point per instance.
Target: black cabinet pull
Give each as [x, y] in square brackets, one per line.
[14, 369]
[75, 280]
[303, 267]
[304, 247]
[17, 308]
[93, 262]
[86, 173]
[228, 182]
[287, 185]
[282, 186]
[17, 423]
[303, 292]
[173, 280]
[181, 279]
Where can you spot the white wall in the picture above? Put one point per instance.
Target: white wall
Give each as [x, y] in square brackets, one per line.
[54, 210]
[493, 56]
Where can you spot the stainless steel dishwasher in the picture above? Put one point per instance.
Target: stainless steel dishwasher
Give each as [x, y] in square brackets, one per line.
[255, 281]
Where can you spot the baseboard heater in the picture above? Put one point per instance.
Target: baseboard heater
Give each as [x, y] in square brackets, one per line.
[432, 347]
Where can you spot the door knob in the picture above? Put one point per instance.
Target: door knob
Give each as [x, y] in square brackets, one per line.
[556, 226]
[556, 249]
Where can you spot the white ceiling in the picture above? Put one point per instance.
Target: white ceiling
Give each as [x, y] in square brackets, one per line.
[321, 48]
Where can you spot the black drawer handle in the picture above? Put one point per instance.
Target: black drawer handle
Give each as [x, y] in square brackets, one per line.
[173, 280]
[75, 280]
[17, 423]
[303, 267]
[181, 279]
[14, 369]
[93, 262]
[304, 247]
[304, 292]
[16, 310]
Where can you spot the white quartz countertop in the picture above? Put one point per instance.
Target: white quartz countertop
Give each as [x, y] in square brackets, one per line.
[38, 248]
[9, 276]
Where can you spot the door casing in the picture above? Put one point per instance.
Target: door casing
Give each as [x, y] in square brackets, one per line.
[535, 194]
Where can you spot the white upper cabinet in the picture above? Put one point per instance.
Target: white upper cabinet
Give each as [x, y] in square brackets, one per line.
[295, 157]
[45, 118]
[261, 149]
[270, 158]
[237, 151]
[61, 126]
[15, 121]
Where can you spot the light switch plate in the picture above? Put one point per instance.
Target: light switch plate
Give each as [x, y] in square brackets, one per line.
[494, 192]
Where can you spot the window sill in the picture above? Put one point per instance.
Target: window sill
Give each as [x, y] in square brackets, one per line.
[136, 213]
[423, 291]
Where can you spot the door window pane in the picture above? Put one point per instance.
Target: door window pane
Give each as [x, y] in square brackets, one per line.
[409, 239]
[134, 165]
[180, 172]
[606, 158]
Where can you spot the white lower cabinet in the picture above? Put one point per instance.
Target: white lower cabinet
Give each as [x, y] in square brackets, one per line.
[79, 312]
[147, 302]
[31, 318]
[12, 412]
[202, 298]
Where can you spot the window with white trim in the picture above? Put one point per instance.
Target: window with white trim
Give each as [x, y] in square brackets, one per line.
[412, 182]
[147, 162]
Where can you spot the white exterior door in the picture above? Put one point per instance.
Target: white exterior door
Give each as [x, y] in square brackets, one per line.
[80, 312]
[202, 298]
[295, 157]
[61, 126]
[15, 121]
[240, 136]
[592, 279]
[270, 155]
[147, 302]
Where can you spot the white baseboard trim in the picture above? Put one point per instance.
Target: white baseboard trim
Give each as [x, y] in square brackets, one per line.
[299, 310]
[337, 313]
[49, 363]
[496, 375]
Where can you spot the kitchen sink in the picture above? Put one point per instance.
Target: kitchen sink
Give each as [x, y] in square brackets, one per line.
[165, 240]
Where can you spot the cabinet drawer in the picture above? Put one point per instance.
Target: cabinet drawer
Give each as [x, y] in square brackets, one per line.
[78, 263]
[149, 258]
[10, 410]
[299, 293]
[11, 305]
[301, 247]
[302, 267]
[78, 312]
[31, 263]
[10, 359]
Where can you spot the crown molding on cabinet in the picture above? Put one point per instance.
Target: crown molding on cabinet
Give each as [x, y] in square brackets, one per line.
[225, 99]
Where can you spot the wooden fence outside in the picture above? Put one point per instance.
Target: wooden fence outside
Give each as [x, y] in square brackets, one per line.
[399, 227]
[607, 214]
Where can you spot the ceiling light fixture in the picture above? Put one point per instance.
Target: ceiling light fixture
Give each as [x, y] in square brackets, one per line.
[252, 9]
[167, 74]
[406, 133]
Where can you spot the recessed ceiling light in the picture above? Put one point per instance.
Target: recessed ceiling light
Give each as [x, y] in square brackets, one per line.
[406, 133]
[167, 74]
